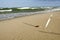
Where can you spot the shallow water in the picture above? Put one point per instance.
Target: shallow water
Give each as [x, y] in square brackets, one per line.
[13, 15]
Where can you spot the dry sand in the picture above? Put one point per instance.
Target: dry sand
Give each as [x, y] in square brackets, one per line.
[24, 28]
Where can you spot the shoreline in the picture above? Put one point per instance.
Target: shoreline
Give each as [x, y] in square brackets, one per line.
[17, 15]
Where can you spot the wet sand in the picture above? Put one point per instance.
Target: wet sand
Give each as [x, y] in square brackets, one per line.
[24, 28]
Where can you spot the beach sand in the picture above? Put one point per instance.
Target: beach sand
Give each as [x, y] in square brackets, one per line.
[23, 28]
